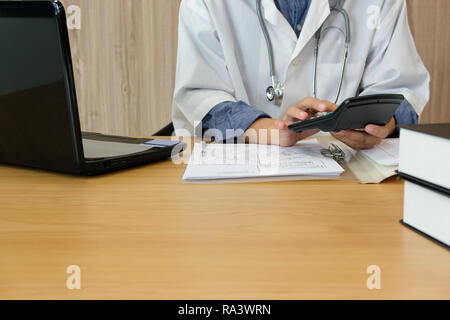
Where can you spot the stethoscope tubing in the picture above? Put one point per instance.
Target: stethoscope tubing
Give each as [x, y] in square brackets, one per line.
[278, 96]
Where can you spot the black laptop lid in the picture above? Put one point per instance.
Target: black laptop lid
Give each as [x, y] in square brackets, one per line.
[39, 125]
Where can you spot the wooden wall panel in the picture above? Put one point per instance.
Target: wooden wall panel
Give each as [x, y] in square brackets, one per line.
[428, 20]
[124, 57]
[125, 53]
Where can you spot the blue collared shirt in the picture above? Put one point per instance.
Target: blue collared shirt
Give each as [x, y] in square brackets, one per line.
[295, 12]
[239, 116]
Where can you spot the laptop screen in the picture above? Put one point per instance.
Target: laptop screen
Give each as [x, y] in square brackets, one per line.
[39, 123]
[30, 54]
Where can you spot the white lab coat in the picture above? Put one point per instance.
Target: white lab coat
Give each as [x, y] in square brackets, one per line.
[222, 56]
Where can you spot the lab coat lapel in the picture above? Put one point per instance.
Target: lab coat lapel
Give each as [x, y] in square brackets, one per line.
[276, 18]
[318, 12]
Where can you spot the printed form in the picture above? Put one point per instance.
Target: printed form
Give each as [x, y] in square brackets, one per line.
[234, 161]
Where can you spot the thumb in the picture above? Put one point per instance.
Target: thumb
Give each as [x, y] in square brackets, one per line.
[281, 125]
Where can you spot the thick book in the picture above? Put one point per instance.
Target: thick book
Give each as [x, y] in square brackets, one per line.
[425, 153]
[427, 210]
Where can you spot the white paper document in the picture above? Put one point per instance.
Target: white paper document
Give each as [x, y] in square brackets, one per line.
[234, 161]
[386, 154]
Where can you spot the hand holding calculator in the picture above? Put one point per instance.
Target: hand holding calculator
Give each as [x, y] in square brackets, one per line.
[354, 113]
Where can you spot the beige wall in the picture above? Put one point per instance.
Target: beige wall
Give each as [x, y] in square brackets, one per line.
[124, 59]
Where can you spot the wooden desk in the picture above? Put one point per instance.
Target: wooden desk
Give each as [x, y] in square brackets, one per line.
[142, 234]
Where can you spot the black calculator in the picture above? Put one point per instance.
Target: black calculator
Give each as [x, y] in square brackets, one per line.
[354, 113]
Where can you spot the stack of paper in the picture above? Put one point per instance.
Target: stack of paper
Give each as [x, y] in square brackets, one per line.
[234, 161]
[385, 154]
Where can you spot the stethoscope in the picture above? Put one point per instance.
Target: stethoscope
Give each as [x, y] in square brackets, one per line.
[275, 92]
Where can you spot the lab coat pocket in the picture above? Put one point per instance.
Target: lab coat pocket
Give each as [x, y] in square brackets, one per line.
[328, 80]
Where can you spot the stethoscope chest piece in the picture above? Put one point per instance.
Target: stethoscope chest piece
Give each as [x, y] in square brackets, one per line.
[270, 94]
[275, 94]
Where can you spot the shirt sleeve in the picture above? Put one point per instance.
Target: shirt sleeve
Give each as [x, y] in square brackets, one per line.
[406, 114]
[229, 120]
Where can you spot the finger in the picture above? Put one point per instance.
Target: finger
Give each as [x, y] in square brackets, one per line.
[317, 105]
[377, 131]
[305, 111]
[349, 134]
[281, 125]
[312, 103]
[331, 107]
[348, 141]
[295, 114]
[357, 140]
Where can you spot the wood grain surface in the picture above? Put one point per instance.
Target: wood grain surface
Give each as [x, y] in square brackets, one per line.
[143, 234]
[431, 30]
[124, 58]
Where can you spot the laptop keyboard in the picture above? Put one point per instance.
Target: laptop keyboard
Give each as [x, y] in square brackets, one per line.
[95, 149]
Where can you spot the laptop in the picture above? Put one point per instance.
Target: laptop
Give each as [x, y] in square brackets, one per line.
[39, 121]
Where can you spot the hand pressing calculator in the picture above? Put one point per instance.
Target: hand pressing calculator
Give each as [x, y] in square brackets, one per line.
[354, 113]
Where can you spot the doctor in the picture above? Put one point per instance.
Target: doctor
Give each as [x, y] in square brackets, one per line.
[224, 75]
